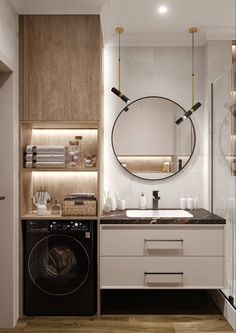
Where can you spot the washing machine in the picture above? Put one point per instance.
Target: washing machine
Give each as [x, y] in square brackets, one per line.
[59, 267]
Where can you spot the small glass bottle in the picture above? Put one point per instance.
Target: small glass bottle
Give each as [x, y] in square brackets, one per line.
[56, 208]
[107, 207]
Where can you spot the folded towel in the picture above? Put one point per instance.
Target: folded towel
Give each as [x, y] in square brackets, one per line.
[44, 165]
[44, 158]
[80, 196]
[45, 149]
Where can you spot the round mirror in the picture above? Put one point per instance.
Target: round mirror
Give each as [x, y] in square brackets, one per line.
[148, 143]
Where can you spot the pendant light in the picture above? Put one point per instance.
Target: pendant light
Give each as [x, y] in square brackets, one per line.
[196, 106]
[116, 91]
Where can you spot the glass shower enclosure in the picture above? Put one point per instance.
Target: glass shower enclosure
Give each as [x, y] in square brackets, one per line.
[223, 121]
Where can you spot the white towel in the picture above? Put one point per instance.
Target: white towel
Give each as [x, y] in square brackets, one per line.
[45, 149]
[44, 158]
[44, 165]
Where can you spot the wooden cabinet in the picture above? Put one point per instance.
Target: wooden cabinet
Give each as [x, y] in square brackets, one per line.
[60, 97]
[138, 256]
[60, 67]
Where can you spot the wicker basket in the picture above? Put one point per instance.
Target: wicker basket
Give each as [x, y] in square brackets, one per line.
[79, 208]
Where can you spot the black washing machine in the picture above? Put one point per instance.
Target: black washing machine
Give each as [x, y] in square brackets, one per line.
[59, 267]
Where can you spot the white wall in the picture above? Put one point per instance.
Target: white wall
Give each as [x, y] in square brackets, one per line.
[163, 71]
[8, 34]
[9, 178]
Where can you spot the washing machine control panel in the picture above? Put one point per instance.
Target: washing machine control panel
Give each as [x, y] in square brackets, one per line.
[58, 225]
[69, 225]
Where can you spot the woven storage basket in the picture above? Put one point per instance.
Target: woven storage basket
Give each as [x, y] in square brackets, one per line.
[79, 208]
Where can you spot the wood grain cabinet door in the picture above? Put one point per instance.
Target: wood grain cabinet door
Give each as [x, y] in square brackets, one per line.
[60, 61]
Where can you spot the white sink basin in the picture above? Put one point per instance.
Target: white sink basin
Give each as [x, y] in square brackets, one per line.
[167, 213]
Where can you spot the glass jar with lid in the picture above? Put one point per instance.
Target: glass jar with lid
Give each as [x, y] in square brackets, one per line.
[74, 153]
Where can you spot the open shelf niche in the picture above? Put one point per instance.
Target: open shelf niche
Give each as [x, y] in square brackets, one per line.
[58, 182]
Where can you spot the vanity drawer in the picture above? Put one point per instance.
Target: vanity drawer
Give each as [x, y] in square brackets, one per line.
[162, 241]
[161, 272]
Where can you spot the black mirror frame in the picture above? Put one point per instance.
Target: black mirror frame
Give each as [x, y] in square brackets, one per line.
[125, 109]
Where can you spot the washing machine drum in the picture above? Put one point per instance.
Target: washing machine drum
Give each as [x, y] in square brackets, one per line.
[58, 265]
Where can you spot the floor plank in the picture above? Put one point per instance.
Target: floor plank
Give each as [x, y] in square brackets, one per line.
[124, 324]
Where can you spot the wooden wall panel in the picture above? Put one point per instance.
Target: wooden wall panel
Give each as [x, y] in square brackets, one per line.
[60, 59]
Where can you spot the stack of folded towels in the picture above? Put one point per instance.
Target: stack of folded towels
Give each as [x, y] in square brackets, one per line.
[44, 156]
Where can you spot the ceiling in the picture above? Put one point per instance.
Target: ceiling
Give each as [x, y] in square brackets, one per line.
[142, 23]
[58, 6]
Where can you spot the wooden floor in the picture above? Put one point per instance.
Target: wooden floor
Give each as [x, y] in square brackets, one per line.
[124, 324]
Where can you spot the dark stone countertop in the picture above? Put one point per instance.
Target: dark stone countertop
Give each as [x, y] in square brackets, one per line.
[200, 216]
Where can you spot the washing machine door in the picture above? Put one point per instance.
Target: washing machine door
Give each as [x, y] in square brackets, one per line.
[58, 265]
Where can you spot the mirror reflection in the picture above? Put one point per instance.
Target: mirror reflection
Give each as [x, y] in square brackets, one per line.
[148, 143]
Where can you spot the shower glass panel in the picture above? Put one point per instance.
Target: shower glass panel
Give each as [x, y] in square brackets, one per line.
[224, 168]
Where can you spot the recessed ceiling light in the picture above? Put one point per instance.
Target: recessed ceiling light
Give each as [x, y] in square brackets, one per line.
[162, 9]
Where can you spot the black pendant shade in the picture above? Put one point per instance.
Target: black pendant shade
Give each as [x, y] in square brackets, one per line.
[119, 94]
[188, 113]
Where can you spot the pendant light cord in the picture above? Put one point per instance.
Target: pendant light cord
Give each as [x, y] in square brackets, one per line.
[119, 30]
[119, 61]
[193, 75]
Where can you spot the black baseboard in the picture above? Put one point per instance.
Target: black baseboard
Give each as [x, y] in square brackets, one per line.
[157, 302]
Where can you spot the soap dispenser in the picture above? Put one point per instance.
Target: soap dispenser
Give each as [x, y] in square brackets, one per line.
[183, 202]
[142, 202]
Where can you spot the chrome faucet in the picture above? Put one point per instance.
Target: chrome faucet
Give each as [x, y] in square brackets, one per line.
[155, 199]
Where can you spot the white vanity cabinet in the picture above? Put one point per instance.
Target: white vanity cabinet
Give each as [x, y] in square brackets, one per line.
[142, 256]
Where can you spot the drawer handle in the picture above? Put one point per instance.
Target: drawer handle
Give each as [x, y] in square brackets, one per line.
[2, 198]
[163, 240]
[163, 278]
[163, 273]
[163, 244]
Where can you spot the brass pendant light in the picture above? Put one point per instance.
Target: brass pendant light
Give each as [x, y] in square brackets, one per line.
[116, 91]
[196, 106]
[125, 99]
